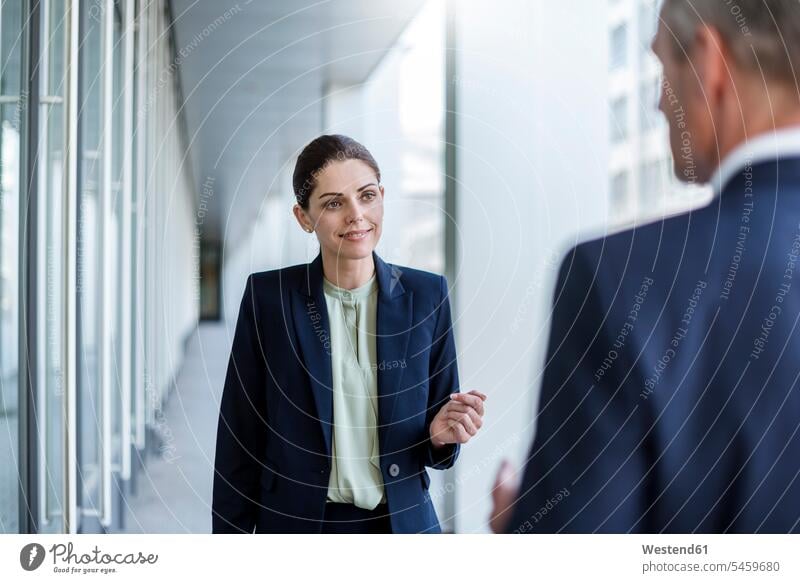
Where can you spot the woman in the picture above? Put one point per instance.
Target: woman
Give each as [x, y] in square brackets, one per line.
[342, 384]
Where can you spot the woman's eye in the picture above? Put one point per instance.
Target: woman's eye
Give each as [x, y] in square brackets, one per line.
[333, 204]
[369, 195]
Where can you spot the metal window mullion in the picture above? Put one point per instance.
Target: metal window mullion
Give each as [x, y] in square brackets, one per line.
[152, 220]
[104, 327]
[141, 189]
[41, 267]
[158, 262]
[69, 274]
[127, 173]
[149, 228]
[149, 276]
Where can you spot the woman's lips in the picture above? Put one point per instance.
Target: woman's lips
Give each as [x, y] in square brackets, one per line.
[356, 235]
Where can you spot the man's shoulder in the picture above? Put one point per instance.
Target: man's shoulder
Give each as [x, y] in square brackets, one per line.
[653, 233]
[618, 264]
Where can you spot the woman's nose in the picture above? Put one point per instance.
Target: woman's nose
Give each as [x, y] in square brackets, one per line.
[355, 215]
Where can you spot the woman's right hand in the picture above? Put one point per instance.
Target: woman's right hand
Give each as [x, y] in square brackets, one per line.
[458, 420]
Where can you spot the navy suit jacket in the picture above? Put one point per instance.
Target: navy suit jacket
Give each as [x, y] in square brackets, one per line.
[273, 456]
[670, 398]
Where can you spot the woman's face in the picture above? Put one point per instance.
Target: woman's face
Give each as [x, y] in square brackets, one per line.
[345, 210]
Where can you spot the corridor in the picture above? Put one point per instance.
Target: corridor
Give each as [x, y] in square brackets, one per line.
[172, 492]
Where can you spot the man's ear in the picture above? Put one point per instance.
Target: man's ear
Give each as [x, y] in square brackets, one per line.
[302, 219]
[711, 63]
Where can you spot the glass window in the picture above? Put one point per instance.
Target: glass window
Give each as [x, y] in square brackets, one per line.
[648, 20]
[619, 119]
[654, 183]
[649, 93]
[619, 192]
[654, 189]
[10, 122]
[618, 46]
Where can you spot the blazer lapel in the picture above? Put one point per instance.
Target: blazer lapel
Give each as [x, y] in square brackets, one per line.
[394, 321]
[310, 315]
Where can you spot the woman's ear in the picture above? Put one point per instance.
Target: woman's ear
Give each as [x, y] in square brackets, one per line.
[380, 187]
[302, 219]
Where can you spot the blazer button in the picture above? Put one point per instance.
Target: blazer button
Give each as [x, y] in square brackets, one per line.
[394, 470]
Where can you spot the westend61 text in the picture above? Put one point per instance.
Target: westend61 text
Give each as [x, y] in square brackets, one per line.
[673, 550]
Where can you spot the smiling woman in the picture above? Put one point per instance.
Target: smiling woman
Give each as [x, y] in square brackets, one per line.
[346, 209]
[320, 429]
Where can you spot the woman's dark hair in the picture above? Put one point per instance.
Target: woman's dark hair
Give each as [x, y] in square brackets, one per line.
[321, 152]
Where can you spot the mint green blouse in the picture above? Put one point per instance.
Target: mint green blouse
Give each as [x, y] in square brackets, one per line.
[355, 457]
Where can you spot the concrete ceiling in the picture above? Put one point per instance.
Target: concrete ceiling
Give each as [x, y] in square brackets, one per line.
[253, 74]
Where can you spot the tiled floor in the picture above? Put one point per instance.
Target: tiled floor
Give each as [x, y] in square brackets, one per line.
[173, 492]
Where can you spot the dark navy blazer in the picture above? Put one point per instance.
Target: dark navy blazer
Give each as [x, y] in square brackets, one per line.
[670, 399]
[273, 457]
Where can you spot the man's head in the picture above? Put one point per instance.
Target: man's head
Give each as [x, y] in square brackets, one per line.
[731, 71]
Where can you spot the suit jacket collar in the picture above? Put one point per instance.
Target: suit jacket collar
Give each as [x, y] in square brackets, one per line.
[388, 279]
[782, 144]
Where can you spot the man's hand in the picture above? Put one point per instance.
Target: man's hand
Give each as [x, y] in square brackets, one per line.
[458, 420]
[504, 495]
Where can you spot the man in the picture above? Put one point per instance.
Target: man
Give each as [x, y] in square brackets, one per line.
[670, 398]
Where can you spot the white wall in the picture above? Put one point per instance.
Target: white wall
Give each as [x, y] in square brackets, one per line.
[532, 174]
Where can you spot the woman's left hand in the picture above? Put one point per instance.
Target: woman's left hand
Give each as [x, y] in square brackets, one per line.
[459, 419]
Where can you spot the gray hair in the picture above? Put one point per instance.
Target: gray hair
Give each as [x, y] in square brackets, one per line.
[761, 34]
